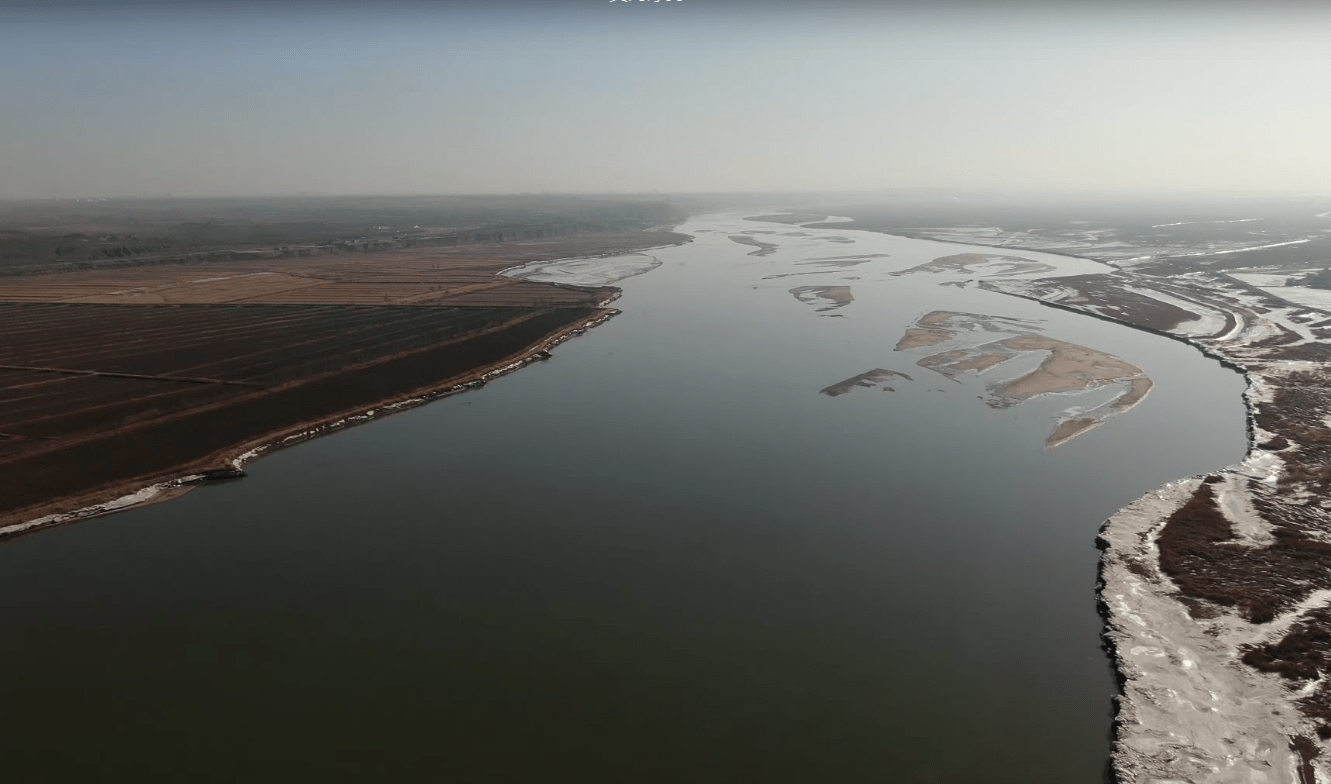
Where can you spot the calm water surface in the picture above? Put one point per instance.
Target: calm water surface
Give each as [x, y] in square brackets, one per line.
[661, 556]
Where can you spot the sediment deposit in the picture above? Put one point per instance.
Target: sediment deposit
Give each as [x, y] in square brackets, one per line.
[871, 379]
[987, 265]
[824, 298]
[1066, 368]
[764, 248]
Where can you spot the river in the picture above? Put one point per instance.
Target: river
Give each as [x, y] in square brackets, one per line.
[661, 556]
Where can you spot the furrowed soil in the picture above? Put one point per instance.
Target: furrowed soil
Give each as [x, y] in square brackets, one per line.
[122, 372]
[97, 455]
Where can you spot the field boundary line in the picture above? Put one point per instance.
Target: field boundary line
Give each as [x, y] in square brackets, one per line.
[186, 379]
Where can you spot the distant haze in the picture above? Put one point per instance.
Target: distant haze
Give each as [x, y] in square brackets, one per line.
[198, 98]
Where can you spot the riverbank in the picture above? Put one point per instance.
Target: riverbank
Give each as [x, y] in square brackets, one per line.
[1216, 589]
[1194, 580]
[178, 480]
[126, 385]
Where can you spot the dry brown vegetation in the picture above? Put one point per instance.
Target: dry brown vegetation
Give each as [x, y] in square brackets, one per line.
[1200, 553]
[1302, 654]
[1308, 751]
[1105, 295]
[1298, 413]
[1275, 444]
[1307, 352]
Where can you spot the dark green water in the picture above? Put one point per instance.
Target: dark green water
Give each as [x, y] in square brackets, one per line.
[661, 556]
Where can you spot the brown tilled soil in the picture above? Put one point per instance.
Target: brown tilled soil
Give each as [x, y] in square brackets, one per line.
[108, 435]
[115, 378]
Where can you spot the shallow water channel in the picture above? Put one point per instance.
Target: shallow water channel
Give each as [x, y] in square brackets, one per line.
[660, 556]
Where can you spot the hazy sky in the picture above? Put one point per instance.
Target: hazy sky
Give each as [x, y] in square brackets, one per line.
[213, 98]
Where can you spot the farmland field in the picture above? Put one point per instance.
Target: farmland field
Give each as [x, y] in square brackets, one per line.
[97, 400]
[142, 341]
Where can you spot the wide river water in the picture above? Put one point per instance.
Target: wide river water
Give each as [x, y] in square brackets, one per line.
[660, 556]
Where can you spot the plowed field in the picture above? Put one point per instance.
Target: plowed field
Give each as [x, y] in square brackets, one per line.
[114, 378]
[97, 400]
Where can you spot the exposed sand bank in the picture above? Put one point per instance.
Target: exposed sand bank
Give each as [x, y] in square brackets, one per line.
[841, 261]
[764, 248]
[859, 258]
[940, 326]
[825, 298]
[791, 218]
[866, 380]
[1066, 369]
[982, 265]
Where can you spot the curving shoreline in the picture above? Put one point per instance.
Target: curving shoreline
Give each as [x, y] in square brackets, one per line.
[1189, 708]
[1192, 704]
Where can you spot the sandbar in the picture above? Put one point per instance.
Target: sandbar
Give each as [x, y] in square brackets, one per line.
[792, 218]
[867, 380]
[1000, 266]
[1067, 368]
[764, 248]
[829, 297]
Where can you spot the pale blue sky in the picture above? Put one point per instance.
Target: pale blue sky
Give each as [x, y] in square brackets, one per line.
[111, 98]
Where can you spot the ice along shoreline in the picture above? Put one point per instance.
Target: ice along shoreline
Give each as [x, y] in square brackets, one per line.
[1191, 706]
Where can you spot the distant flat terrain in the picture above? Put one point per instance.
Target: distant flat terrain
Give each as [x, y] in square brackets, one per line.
[459, 275]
